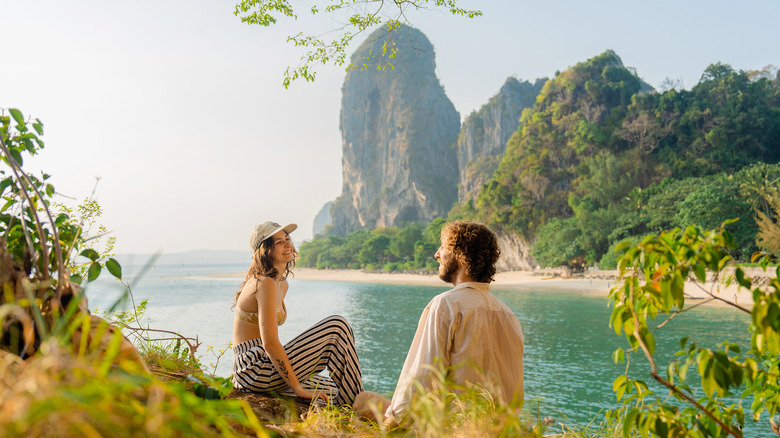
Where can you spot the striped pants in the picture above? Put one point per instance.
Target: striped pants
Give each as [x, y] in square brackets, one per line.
[328, 344]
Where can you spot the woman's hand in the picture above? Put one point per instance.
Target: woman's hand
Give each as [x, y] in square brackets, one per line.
[307, 394]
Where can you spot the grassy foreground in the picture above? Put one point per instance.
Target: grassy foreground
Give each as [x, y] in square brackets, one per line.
[61, 393]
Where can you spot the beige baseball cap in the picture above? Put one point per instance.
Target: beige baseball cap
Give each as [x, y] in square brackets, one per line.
[266, 230]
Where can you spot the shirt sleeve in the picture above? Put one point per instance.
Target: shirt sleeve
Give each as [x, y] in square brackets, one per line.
[429, 351]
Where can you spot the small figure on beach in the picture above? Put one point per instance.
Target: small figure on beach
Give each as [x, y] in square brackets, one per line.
[466, 331]
[261, 363]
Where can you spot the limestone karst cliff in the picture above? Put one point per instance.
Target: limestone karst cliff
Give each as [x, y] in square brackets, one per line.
[483, 137]
[322, 220]
[398, 133]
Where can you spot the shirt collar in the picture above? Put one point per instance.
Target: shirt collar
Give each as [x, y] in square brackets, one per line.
[482, 287]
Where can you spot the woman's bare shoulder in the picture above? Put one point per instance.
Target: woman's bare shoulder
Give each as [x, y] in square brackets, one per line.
[265, 285]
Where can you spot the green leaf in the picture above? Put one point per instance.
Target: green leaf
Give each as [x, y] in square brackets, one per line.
[678, 290]
[615, 319]
[75, 278]
[94, 271]
[741, 279]
[16, 156]
[619, 386]
[630, 421]
[701, 274]
[90, 254]
[114, 268]
[648, 339]
[49, 190]
[707, 376]
[683, 371]
[17, 115]
[667, 298]
[619, 355]
[737, 375]
[4, 184]
[38, 126]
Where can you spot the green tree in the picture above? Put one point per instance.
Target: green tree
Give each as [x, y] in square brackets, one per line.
[402, 243]
[606, 177]
[714, 202]
[309, 252]
[358, 16]
[758, 183]
[769, 226]
[432, 233]
[556, 243]
[374, 250]
[653, 275]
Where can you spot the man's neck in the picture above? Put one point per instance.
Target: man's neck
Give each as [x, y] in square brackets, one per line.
[461, 277]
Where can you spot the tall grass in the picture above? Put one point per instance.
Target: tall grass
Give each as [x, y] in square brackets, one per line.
[60, 393]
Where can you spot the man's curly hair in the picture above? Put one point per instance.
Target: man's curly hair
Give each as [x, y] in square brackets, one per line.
[474, 246]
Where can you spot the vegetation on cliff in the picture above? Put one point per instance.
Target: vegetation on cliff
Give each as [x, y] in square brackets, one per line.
[484, 134]
[597, 161]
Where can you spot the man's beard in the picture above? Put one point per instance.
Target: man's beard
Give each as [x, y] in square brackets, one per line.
[447, 271]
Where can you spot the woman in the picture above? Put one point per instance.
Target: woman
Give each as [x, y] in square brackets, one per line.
[261, 363]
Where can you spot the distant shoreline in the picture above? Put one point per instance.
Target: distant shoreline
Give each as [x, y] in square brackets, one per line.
[527, 281]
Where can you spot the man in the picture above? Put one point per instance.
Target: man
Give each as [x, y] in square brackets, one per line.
[466, 331]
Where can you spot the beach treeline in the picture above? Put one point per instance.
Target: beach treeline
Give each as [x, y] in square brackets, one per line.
[408, 248]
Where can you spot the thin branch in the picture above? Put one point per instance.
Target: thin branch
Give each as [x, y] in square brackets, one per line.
[15, 168]
[25, 231]
[81, 223]
[654, 370]
[636, 329]
[681, 311]
[55, 233]
[714, 297]
[674, 389]
[193, 348]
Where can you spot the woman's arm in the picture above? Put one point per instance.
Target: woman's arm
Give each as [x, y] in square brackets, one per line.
[269, 334]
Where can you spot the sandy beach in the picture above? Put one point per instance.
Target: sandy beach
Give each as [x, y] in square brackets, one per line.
[596, 284]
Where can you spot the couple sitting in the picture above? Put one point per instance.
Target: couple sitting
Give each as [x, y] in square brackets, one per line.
[468, 331]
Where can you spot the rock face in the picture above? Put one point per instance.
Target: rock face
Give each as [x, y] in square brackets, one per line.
[322, 220]
[482, 140]
[398, 132]
[515, 254]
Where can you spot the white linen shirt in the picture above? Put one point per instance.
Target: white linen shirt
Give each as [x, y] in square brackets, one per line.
[475, 336]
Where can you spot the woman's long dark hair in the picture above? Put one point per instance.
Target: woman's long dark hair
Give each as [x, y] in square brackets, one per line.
[263, 265]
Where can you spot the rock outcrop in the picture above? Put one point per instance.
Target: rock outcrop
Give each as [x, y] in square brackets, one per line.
[322, 220]
[515, 254]
[398, 133]
[482, 140]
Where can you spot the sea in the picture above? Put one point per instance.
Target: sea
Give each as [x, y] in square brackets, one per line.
[568, 363]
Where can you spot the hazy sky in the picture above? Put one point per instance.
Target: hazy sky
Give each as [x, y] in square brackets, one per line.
[178, 106]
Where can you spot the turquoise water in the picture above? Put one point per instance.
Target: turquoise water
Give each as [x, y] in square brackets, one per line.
[568, 366]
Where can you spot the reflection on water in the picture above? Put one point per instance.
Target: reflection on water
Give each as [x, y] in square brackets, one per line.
[568, 366]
